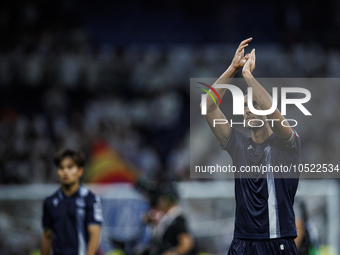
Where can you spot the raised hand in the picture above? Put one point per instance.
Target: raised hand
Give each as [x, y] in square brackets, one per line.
[250, 64]
[239, 59]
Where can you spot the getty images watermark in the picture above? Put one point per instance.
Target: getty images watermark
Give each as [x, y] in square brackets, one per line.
[238, 104]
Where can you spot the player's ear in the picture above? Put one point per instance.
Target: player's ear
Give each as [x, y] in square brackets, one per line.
[81, 173]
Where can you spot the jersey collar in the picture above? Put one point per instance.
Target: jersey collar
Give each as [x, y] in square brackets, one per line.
[265, 142]
[61, 195]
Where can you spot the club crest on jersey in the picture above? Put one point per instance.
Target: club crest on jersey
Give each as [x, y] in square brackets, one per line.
[80, 202]
[55, 202]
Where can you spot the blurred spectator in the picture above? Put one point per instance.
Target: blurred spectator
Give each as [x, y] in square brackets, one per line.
[171, 234]
[307, 241]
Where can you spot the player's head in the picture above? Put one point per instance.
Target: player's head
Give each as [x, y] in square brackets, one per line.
[70, 166]
[167, 196]
[251, 118]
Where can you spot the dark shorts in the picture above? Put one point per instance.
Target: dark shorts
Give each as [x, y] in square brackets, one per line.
[280, 246]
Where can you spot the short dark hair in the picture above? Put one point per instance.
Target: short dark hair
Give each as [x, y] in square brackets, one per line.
[77, 157]
[168, 190]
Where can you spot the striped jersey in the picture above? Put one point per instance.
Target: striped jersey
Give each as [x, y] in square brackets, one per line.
[69, 217]
[264, 201]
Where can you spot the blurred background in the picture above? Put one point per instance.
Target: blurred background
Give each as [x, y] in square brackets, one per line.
[113, 79]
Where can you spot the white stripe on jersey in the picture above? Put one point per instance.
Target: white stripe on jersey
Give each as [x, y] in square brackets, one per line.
[274, 224]
[80, 216]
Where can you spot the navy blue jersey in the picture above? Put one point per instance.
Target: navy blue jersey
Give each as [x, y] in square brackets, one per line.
[69, 217]
[264, 204]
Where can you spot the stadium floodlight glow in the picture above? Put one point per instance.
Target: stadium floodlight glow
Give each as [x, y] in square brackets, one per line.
[238, 100]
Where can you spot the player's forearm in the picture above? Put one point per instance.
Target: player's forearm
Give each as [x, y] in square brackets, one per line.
[184, 249]
[45, 245]
[227, 75]
[261, 96]
[93, 244]
[300, 228]
[224, 79]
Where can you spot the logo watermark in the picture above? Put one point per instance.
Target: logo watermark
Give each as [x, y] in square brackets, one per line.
[238, 104]
[307, 108]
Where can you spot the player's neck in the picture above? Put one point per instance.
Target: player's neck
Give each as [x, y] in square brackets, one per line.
[169, 208]
[70, 189]
[261, 134]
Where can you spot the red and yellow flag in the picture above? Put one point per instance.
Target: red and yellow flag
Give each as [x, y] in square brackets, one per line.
[107, 165]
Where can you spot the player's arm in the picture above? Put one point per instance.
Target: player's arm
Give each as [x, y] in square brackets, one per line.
[185, 245]
[300, 228]
[263, 99]
[94, 219]
[94, 238]
[222, 132]
[46, 242]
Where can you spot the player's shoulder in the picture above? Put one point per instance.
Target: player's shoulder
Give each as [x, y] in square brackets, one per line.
[236, 139]
[239, 135]
[180, 219]
[87, 194]
[179, 224]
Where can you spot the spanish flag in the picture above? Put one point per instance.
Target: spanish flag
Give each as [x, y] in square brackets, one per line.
[107, 165]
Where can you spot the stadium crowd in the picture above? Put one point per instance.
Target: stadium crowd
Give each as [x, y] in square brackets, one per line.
[135, 98]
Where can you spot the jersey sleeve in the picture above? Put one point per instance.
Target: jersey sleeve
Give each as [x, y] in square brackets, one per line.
[234, 140]
[94, 213]
[180, 226]
[46, 219]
